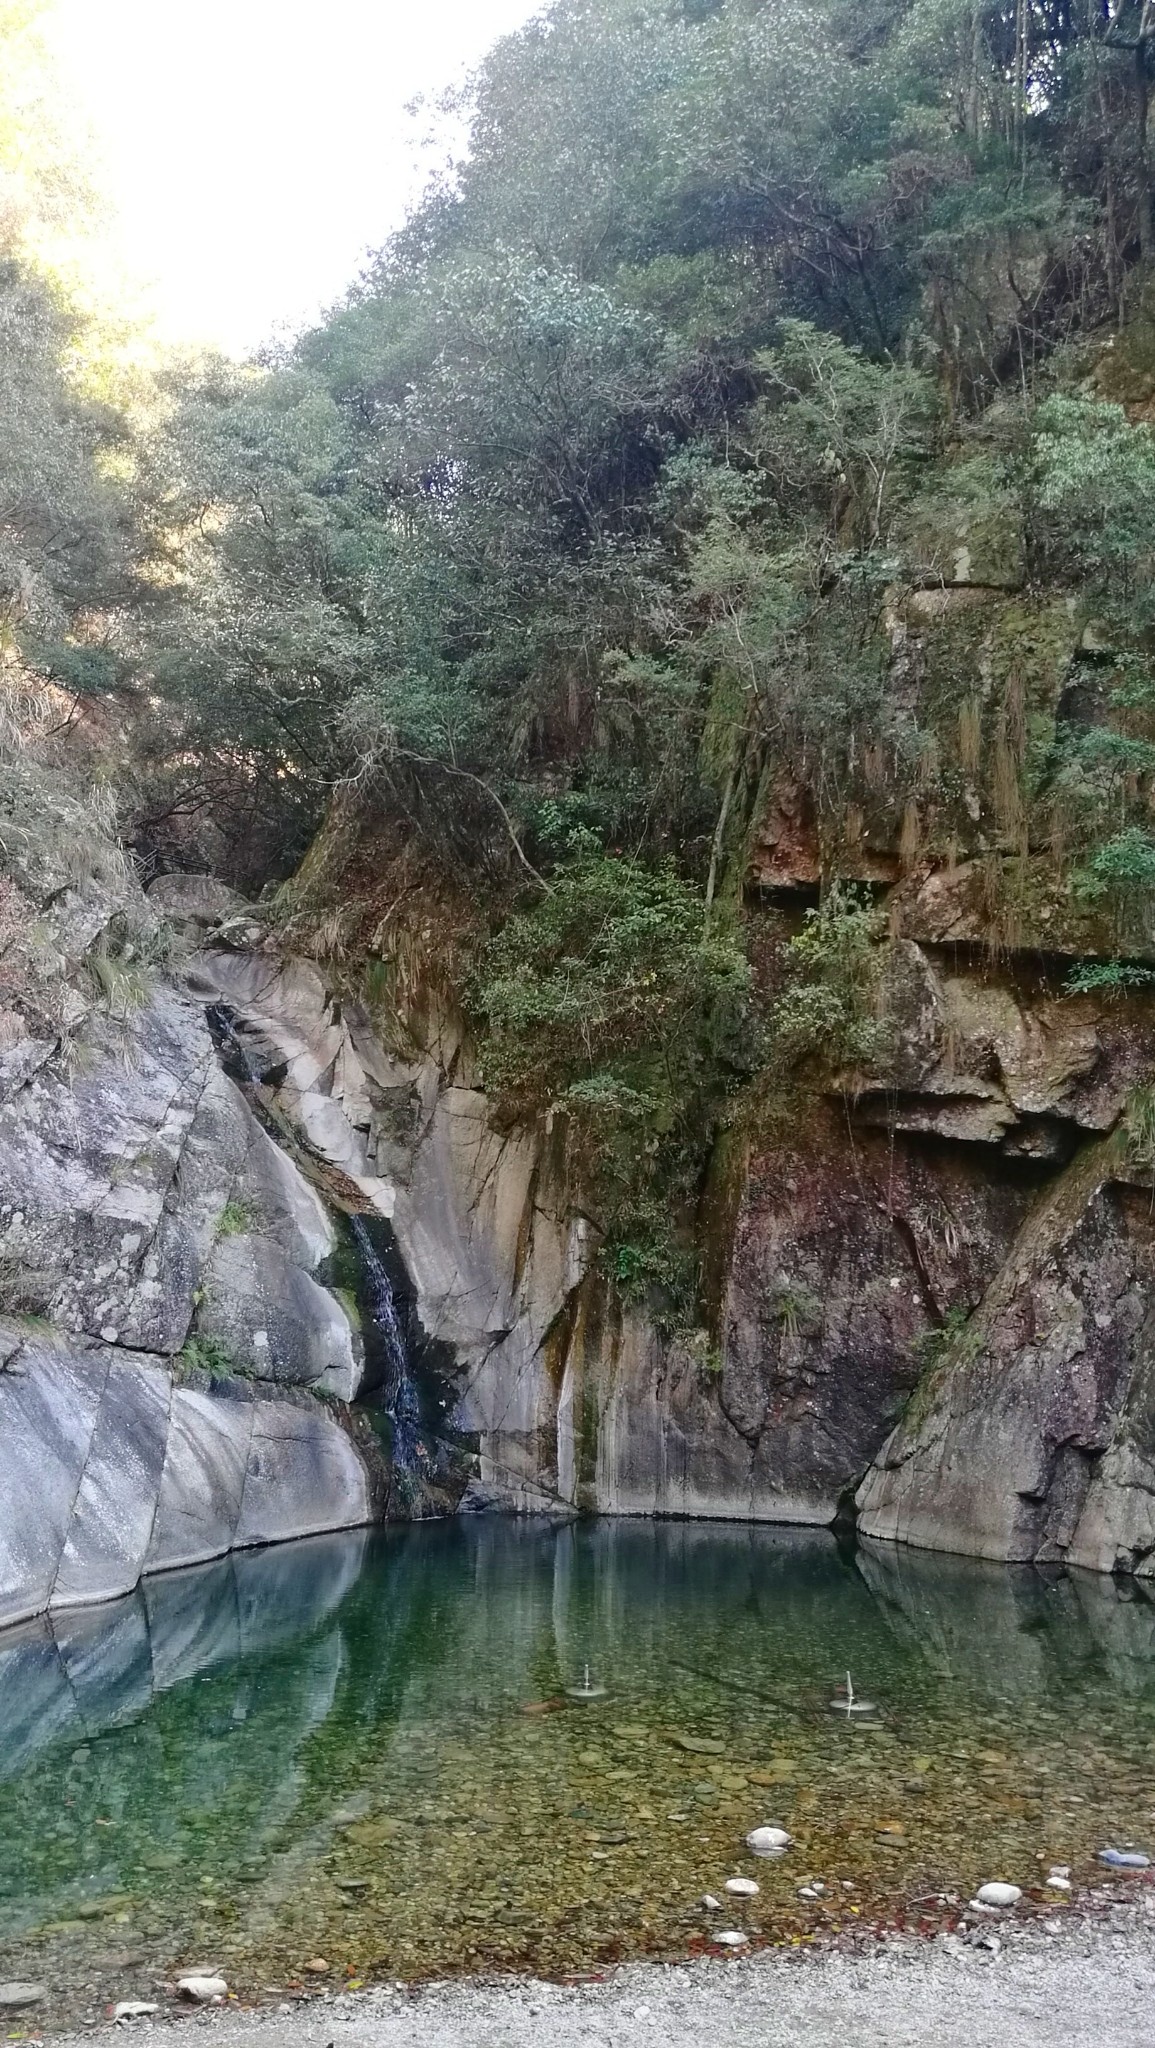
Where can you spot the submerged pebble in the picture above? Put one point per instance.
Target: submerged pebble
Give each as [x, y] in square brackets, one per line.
[732, 1938]
[1125, 1859]
[743, 1887]
[768, 1841]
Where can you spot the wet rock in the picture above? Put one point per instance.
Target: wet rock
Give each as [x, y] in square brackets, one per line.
[742, 1887]
[768, 1841]
[1125, 1859]
[116, 1179]
[202, 1990]
[133, 2009]
[732, 1937]
[775, 1774]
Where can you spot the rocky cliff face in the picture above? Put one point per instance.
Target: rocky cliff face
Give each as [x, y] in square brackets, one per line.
[1032, 1437]
[172, 1375]
[931, 1283]
[854, 1249]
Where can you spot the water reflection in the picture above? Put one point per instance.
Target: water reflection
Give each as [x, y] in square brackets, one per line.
[362, 1746]
[1011, 1630]
[95, 1669]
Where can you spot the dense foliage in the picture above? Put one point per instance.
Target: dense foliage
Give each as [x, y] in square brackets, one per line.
[589, 518]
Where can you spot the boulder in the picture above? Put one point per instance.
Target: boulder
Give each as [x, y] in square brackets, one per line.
[198, 900]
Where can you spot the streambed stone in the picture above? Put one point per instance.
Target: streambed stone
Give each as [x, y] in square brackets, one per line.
[16, 1997]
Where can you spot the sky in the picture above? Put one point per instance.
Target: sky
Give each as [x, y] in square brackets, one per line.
[253, 151]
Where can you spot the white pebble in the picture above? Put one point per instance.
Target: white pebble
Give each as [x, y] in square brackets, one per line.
[768, 1841]
[998, 1895]
[203, 1989]
[732, 1938]
[709, 1903]
[742, 1887]
[133, 2009]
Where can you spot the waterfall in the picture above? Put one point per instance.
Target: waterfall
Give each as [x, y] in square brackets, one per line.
[223, 1028]
[402, 1404]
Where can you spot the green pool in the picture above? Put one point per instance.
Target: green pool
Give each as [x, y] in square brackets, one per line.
[360, 1752]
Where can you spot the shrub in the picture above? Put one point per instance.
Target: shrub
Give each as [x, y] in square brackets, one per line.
[828, 1008]
[236, 1218]
[1119, 874]
[611, 1009]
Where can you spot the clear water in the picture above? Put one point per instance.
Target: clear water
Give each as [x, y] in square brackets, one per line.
[360, 1751]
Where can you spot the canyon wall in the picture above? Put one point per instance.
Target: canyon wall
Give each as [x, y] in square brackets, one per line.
[143, 1213]
[930, 1281]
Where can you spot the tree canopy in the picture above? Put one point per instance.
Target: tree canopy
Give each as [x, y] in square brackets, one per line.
[585, 518]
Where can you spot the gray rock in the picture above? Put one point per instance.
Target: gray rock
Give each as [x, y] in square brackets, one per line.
[274, 1320]
[195, 899]
[108, 1471]
[112, 1515]
[17, 1997]
[1032, 1439]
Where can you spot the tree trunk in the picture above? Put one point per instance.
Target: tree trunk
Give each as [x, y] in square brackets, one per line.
[1143, 152]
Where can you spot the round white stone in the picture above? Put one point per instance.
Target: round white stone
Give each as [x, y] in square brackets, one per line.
[998, 1895]
[742, 1887]
[767, 1841]
[732, 1938]
[203, 1989]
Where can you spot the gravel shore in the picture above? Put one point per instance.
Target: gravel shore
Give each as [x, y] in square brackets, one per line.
[1090, 1982]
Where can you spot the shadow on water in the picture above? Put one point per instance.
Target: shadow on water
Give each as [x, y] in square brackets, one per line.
[362, 1744]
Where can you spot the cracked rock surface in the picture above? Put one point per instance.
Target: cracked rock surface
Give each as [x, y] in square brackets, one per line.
[162, 1335]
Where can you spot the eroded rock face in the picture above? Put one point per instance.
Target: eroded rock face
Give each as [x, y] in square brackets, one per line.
[847, 1256]
[162, 1332]
[493, 1257]
[846, 1253]
[110, 1470]
[979, 1059]
[1032, 1439]
[145, 1205]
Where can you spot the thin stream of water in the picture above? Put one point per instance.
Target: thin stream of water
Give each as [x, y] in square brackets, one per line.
[402, 1402]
